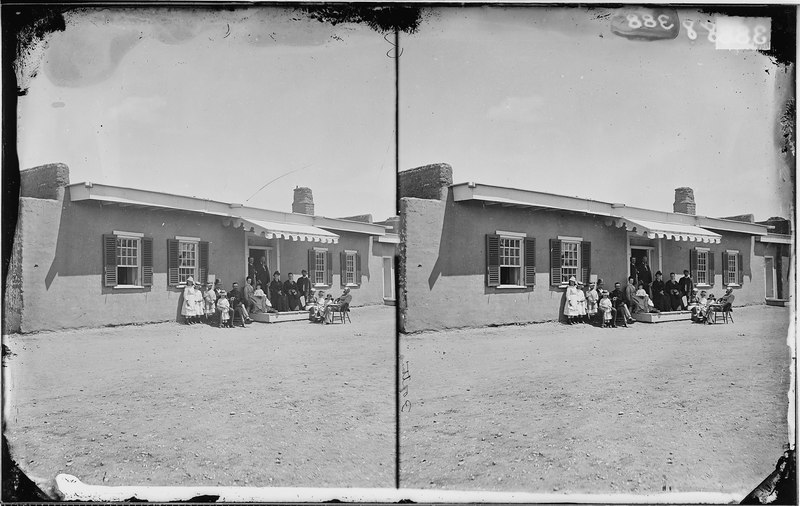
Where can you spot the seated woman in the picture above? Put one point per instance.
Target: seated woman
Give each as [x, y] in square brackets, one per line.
[642, 302]
[700, 310]
[316, 307]
[261, 303]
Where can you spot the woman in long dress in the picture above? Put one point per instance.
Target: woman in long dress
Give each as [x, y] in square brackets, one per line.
[189, 309]
[571, 310]
[592, 299]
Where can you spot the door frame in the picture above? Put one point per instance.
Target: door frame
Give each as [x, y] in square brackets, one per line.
[383, 278]
[774, 280]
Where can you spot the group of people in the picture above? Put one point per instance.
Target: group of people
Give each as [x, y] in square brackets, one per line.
[642, 294]
[599, 305]
[289, 295]
[212, 304]
[702, 304]
[321, 306]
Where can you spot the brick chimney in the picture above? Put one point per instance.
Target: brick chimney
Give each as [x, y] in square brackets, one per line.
[427, 182]
[303, 201]
[684, 201]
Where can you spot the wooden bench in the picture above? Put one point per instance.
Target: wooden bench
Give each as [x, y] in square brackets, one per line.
[286, 316]
[664, 316]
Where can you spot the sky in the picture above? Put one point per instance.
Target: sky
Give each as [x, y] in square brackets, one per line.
[216, 104]
[549, 99]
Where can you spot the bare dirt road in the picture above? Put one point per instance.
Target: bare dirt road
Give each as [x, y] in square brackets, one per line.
[548, 407]
[286, 404]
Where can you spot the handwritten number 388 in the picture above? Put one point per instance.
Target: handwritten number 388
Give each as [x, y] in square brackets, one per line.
[648, 21]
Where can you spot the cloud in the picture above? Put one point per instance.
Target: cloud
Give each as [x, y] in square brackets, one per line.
[520, 109]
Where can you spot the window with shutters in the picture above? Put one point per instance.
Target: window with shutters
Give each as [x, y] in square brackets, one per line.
[350, 271]
[127, 260]
[320, 268]
[187, 256]
[570, 259]
[187, 261]
[732, 263]
[510, 260]
[570, 256]
[702, 267]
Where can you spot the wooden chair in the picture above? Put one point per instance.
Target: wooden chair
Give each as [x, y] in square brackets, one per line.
[724, 310]
[343, 311]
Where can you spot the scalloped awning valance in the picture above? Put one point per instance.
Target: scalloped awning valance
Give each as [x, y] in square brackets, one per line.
[673, 231]
[291, 231]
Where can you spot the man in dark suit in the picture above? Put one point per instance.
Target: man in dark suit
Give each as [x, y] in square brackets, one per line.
[645, 275]
[634, 270]
[304, 287]
[262, 273]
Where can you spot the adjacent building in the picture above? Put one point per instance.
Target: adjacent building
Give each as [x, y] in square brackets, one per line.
[473, 254]
[92, 255]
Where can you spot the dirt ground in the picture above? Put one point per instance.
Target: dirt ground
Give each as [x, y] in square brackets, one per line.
[286, 404]
[549, 407]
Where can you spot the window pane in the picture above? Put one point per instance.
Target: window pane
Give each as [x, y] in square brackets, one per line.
[570, 259]
[701, 267]
[187, 260]
[319, 268]
[350, 268]
[509, 252]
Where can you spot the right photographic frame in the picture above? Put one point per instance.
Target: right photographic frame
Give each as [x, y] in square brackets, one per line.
[596, 275]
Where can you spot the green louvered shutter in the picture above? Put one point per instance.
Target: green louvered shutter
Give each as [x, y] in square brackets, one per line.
[711, 272]
[492, 260]
[172, 262]
[725, 270]
[109, 260]
[740, 268]
[329, 267]
[358, 269]
[555, 262]
[586, 261]
[530, 261]
[202, 246]
[693, 264]
[147, 261]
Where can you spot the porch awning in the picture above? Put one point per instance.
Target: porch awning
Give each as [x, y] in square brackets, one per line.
[291, 231]
[674, 231]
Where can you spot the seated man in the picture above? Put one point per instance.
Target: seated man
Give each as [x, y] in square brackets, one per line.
[236, 297]
[618, 301]
[728, 298]
[338, 304]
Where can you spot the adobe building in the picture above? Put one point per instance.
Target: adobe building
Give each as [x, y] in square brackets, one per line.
[93, 255]
[476, 255]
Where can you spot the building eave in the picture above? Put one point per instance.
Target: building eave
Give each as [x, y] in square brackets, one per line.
[535, 200]
[134, 197]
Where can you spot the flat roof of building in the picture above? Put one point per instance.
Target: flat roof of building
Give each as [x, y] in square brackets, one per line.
[230, 212]
[652, 223]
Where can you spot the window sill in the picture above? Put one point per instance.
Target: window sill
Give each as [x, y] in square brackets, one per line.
[510, 286]
[352, 285]
[703, 285]
[124, 287]
[321, 285]
[733, 285]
